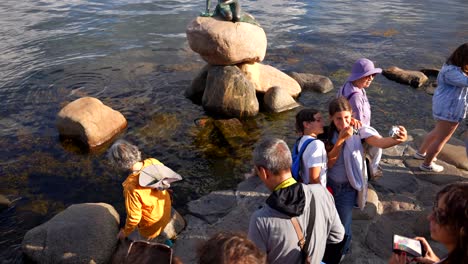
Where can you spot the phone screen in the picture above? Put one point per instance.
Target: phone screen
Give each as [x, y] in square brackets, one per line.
[411, 246]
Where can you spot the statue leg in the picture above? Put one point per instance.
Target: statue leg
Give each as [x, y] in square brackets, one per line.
[236, 11]
[226, 12]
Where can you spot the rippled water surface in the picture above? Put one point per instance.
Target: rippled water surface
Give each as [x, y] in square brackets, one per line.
[134, 56]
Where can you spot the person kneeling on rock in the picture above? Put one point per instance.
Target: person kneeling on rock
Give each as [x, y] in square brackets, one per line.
[147, 198]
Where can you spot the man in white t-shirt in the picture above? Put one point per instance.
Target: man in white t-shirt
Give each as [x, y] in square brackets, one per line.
[309, 123]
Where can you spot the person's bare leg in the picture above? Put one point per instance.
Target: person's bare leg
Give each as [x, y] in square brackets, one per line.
[427, 141]
[442, 132]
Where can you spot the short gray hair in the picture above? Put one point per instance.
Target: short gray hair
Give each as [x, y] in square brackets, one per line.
[273, 154]
[123, 155]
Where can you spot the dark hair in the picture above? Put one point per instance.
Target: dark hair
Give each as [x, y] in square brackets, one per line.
[306, 114]
[230, 248]
[459, 57]
[336, 105]
[456, 219]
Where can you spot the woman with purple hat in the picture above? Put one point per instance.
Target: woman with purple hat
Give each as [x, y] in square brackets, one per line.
[362, 75]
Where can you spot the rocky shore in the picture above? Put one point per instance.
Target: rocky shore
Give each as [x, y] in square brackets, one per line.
[398, 203]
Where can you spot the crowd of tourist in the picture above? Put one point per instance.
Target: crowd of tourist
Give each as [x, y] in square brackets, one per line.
[308, 219]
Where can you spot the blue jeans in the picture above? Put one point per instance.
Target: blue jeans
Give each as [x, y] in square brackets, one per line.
[345, 200]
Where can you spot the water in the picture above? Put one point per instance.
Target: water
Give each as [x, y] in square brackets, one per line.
[133, 55]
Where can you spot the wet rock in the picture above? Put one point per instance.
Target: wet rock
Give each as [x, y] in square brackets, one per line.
[430, 72]
[264, 77]
[213, 206]
[278, 100]
[316, 83]
[198, 85]
[88, 230]
[229, 93]
[414, 78]
[232, 131]
[4, 202]
[222, 42]
[90, 121]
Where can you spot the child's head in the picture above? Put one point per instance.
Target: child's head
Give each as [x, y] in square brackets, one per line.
[340, 112]
[307, 115]
[230, 248]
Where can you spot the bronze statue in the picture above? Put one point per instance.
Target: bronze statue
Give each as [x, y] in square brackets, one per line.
[228, 9]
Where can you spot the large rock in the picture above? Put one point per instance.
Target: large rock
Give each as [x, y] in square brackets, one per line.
[89, 120]
[278, 100]
[264, 77]
[222, 42]
[229, 93]
[214, 206]
[175, 225]
[195, 91]
[317, 83]
[414, 78]
[83, 233]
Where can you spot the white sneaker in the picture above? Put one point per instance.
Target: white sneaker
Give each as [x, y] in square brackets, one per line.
[431, 168]
[420, 156]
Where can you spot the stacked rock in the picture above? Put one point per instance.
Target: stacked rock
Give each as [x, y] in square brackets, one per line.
[229, 84]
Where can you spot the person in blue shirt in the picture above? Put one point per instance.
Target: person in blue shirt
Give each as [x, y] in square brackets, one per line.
[449, 107]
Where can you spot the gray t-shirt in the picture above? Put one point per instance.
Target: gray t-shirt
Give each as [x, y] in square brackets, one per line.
[273, 232]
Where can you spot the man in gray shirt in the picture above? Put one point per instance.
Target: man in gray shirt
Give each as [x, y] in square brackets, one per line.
[271, 228]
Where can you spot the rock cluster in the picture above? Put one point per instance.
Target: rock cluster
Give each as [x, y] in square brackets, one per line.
[228, 85]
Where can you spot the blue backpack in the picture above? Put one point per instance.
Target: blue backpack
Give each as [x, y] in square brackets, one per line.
[297, 157]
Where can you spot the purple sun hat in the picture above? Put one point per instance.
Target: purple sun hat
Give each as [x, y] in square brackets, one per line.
[362, 67]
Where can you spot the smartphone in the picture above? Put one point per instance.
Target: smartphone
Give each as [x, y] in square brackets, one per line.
[411, 246]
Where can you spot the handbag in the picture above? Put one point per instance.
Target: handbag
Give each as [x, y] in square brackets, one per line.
[141, 251]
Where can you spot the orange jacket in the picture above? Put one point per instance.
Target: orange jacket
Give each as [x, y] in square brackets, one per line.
[148, 209]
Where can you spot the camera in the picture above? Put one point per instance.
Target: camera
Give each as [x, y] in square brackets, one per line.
[394, 132]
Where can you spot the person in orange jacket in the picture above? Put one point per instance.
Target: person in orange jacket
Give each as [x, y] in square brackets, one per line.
[148, 209]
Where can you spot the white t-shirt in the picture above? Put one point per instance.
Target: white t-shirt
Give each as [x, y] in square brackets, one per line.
[314, 155]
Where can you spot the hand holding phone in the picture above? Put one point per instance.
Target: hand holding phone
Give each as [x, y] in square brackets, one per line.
[412, 247]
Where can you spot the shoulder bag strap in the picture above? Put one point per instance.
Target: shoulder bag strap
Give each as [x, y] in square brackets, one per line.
[304, 243]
